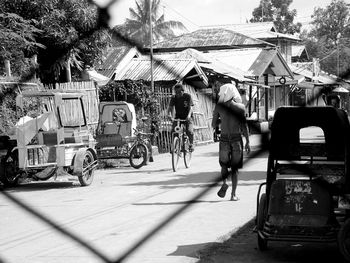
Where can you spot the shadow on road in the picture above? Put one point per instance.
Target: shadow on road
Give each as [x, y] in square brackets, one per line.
[242, 247]
[203, 179]
[178, 203]
[190, 250]
[43, 186]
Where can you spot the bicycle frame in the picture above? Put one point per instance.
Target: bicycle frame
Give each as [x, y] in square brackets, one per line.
[179, 133]
[179, 130]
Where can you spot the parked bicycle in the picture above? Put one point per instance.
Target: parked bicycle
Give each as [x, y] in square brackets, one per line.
[141, 150]
[180, 145]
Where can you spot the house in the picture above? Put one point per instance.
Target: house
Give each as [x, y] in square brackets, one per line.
[262, 61]
[266, 31]
[299, 53]
[166, 73]
[116, 58]
[314, 84]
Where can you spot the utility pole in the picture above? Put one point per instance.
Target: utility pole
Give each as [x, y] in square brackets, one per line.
[151, 43]
[338, 38]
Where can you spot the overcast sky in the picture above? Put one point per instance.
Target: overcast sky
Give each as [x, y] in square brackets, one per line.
[194, 13]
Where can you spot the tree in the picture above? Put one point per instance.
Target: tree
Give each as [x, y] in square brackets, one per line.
[138, 26]
[331, 35]
[278, 12]
[331, 21]
[17, 38]
[68, 29]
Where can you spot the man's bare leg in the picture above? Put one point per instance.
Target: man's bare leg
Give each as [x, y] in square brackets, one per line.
[234, 179]
[224, 174]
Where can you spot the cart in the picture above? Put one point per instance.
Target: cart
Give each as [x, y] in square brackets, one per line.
[117, 136]
[307, 191]
[53, 141]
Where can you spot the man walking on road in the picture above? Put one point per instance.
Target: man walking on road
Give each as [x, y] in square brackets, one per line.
[231, 111]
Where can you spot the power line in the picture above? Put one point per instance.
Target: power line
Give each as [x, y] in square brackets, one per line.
[167, 6]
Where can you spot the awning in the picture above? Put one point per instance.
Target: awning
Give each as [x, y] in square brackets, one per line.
[340, 90]
[207, 62]
[255, 61]
[100, 79]
[227, 70]
[163, 70]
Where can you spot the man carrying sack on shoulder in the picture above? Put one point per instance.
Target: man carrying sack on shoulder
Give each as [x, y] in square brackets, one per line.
[231, 111]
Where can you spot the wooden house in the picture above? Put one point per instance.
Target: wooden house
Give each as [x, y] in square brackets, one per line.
[166, 73]
[263, 62]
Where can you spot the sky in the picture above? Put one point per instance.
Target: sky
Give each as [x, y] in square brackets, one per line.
[196, 13]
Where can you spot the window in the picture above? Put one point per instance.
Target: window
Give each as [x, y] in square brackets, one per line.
[71, 113]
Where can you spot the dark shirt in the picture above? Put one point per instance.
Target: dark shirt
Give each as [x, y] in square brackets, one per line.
[232, 122]
[182, 105]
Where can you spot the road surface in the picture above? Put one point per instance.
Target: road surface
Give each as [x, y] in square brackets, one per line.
[122, 206]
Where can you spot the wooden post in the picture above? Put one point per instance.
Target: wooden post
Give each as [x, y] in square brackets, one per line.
[266, 82]
[68, 72]
[257, 103]
[7, 68]
[151, 43]
[250, 100]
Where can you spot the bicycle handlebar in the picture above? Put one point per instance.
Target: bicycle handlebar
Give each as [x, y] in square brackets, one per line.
[180, 120]
[136, 131]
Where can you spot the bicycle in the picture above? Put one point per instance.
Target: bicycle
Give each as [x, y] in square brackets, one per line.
[141, 150]
[180, 145]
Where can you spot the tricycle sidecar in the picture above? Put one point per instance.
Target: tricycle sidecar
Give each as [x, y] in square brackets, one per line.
[307, 193]
[117, 136]
[54, 140]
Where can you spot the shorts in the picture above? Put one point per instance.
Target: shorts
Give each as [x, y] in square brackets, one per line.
[231, 151]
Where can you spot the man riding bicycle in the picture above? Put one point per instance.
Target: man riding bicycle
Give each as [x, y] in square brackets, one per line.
[182, 102]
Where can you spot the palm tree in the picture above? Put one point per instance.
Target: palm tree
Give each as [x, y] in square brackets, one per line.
[137, 27]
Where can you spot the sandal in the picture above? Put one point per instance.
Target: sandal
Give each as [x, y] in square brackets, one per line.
[222, 191]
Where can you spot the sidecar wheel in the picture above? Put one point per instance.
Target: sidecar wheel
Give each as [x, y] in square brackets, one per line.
[87, 176]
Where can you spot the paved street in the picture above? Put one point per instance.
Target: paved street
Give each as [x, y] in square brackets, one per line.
[242, 247]
[124, 204]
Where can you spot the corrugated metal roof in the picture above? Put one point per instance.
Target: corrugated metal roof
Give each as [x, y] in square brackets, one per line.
[297, 50]
[254, 60]
[262, 30]
[211, 63]
[242, 58]
[114, 57]
[212, 37]
[304, 71]
[163, 70]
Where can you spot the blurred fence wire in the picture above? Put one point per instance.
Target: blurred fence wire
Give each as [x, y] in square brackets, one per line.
[103, 23]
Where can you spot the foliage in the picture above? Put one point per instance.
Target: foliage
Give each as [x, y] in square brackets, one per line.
[278, 12]
[9, 113]
[329, 39]
[135, 92]
[330, 21]
[138, 26]
[68, 29]
[8, 108]
[17, 38]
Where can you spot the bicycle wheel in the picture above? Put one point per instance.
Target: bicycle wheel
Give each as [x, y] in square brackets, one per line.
[175, 154]
[187, 153]
[138, 155]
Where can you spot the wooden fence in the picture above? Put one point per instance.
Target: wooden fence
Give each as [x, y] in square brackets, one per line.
[202, 114]
[203, 109]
